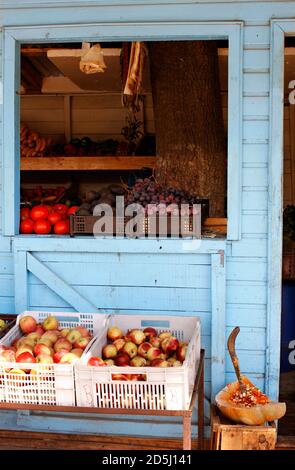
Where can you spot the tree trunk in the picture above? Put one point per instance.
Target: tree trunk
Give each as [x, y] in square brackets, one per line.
[190, 138]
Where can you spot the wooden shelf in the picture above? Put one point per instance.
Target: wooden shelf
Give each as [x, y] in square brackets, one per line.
[86, 163]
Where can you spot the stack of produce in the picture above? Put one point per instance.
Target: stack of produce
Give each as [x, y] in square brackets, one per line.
[106, 195]
[32, 144]
[44, 343]
[41, 195]
[44, 219]
[147, 192]
[86, 146]
[140, 348]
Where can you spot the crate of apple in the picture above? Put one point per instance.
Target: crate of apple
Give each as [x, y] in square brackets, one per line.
[44, 219]
[45, 343]
[140, 348]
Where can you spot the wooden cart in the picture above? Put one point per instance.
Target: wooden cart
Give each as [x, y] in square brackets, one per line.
[226, 435]
[198, 394]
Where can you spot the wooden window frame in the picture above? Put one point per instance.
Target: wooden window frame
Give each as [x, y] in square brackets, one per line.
[14, 37]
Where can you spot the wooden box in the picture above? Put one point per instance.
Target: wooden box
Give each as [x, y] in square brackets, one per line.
[226, 435]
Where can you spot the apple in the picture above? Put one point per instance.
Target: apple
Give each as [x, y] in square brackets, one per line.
[62, 343]
[150, 332]
[114, 333]
[77, 351]
[159, 363]
[177, 364]
[17, 371]
[27, 324]
[127, 337]
[134, 377]
[154, 341]
[73, 336]
[65, 332]
[41, 348]
[96, 362]
[143, 349]
[153, 353]
[130, 348]
[109, 362]
[81, 342]
[122, 360]
[39, 329]
[181, 353]
[51, 335]
[26, 357]
[24, 348]
[119, 343]
[109, 351]
[69, 358]
[170, 345]
[9, 356]
[137, 336]
[34, 336]
[164, 334]
[122, 377]
[44, 359]
[171, 360]
[11, 348]
[50, 323]
[138, 361]
[84, 332]
[27, 341]
[59, 354]
[45, 341]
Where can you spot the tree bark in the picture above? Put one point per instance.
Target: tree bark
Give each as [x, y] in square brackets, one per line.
[190, 138]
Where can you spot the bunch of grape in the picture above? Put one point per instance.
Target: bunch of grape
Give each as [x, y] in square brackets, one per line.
[148, 192]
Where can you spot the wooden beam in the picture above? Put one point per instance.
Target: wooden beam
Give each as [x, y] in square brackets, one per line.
[30, 74]
[86, 163]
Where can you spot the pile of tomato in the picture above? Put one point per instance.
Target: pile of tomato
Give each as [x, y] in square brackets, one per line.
[44, 219]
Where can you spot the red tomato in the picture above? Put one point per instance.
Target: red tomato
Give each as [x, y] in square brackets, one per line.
[54, 217]
[26, 226]
[42, 227]
[60, 208]
[39, 212]
[50, 208]
[73, 210]
[62, 227]
[25, 213]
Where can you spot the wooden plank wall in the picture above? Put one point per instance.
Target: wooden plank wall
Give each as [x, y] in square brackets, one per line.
[246, 286]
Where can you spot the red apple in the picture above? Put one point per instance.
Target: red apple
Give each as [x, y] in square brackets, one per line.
[65, 332]
[59, 354]
[122, 377]
[165, 334]
[119, 343]
[150, 332]
[159, 363]
[153, 353]
[137, 336]
[77, 351]
[130, 348]
[135, 377]
[35, 336]
[82, 342]
[114, 333]
[62, 343]
[122, 360]
[51, 335]
[109, 351]
[24, 348]
[44, 359]
[84, 332]
[138, 361]
[143, 349]
[181, 353]
[68, 358]
[27, 324]
[170, 345]
[154, 341]
[10, 348]
[96, 362]
[73, 336]
[45, 341]
[50, 323]
[41, 348]
[39, 329]
[26, 357]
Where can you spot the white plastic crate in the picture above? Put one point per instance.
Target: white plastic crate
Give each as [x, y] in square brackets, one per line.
[167, 388]
[53, 384]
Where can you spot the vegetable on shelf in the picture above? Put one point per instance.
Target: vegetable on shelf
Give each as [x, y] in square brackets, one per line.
[45, 219]
[32, 144]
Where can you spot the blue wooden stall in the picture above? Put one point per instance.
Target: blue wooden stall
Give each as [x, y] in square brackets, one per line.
[235, 281]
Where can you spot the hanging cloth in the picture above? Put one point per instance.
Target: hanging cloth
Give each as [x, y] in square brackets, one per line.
[132, 81]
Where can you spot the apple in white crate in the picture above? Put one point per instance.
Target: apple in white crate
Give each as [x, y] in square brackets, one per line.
[164, 334]
[150, 332]
[50, 323]
[84, 332]
[138, 361]
[27, 324]
[181, 352]
[137, 336]
[82, 342]
[119, 343]
[96, 361]
[143, 349]
[159, 363]
[35, 336]
[153, 353]
[109, 351]
[41, 348]
[44, 359]
[77, 351]
[130, 348]
[69, 358]
[62, 343]
[45, 341]
[59, 354]
[24, 348]
[51, 335]
[114, 333]
[122, 360]
[65, 332]
[73, 336]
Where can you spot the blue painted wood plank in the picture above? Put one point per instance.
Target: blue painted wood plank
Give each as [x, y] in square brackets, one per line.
[6, 285]
[250, 362]
[256, 379]
[241, 269]
[6, 264]
[255, 224]
[122, 274]
[243, 292]
[7, 305]
[250, 247]
[254, 200]
[249, 338]
[256, 84]
[218, 323]
[20, 281]
[59, 286]
[246, 315]
[255, 153]
[255, 176]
